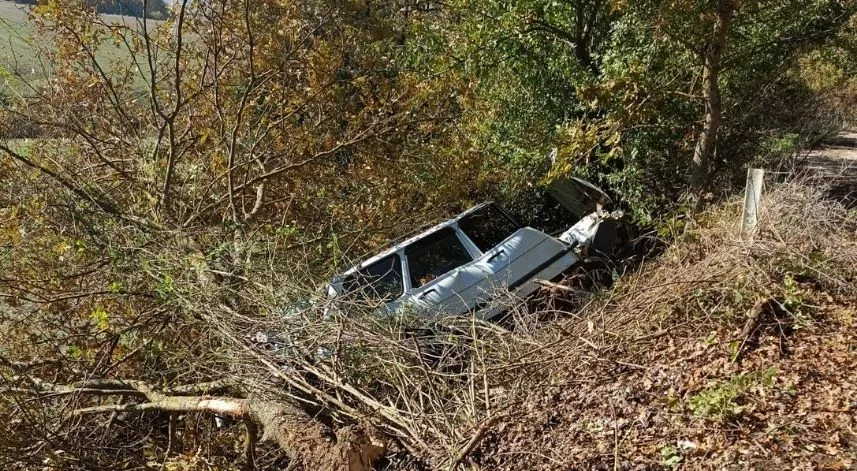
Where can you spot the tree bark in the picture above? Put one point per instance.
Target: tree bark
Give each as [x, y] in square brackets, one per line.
[706, 144]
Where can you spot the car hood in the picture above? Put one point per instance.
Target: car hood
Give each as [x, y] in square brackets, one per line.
[578, 196]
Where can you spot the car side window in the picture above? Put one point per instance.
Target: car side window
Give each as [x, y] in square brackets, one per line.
[434, 255]
[381, 281]
[488, 227]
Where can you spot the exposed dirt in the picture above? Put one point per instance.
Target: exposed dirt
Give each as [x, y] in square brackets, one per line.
[687, 402]
[833, 165]
[722, 355]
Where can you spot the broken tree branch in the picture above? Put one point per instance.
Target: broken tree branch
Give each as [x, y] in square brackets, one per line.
[282, 423]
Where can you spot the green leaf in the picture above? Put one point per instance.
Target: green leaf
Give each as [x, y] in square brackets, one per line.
[101, 318]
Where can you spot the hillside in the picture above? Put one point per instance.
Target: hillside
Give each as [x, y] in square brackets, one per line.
[155, 9]
[15, 51]
[16, 13]
[19, 45]
[721, 355]
[176, 204]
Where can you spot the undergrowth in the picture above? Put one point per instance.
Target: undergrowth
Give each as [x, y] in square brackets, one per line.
[687, 357]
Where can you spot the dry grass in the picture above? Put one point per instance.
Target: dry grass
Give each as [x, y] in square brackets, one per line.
[712, 275]
[666, 368]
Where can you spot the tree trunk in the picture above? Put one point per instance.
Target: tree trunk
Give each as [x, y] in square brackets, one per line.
[705, 145]
[308, 442]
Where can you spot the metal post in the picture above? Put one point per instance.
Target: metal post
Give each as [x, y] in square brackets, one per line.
[752, 202]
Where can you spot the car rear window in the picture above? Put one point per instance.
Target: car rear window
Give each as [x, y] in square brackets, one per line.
[434, 255]
[381, 280]
[488, 227]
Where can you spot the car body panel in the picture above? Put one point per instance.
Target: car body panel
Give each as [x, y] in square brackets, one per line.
[523, 255]
[528, 285]
[518, 255]
[578, 196]
[510, 267]
[457, 291]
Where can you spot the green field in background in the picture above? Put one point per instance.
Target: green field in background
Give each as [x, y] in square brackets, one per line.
[19, 46]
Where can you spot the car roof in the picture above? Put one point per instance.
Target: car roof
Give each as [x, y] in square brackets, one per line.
[410, 240]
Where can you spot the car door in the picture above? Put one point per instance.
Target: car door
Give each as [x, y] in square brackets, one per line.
[378, 286]
[444, 276]
[511, 254]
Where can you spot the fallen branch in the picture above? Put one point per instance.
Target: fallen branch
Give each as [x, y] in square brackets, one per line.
[474, 440]
[28, 365]
[307, 441]
[552, 285]
[653, 335]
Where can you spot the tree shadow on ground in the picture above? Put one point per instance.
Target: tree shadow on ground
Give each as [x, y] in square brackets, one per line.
[833, 165]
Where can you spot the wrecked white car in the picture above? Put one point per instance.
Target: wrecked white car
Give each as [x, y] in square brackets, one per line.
[461, 265]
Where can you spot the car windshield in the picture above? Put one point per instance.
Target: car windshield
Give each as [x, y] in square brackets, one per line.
[434, 255]
[381, 280]
[488, 227]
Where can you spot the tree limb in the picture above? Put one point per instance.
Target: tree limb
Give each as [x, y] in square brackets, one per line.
[309, 442]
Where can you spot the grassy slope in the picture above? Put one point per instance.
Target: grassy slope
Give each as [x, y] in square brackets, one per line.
[668, 370]
[19, 57]
[14, 36]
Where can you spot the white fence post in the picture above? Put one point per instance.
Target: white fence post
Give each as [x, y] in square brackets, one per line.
[752, 202]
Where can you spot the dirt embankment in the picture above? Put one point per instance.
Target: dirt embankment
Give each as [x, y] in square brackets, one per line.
[724, 354]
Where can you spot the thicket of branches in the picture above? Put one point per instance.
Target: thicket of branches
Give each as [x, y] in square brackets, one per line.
[160, 210]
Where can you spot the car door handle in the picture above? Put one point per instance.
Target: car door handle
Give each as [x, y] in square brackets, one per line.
[425, 293]
[499, 252]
